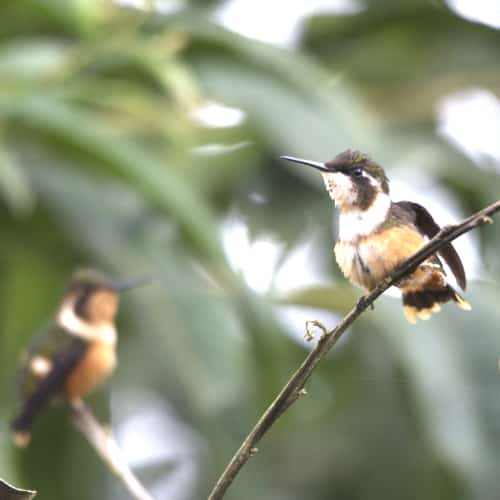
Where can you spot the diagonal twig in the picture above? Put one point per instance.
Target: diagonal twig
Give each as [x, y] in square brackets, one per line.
[294, 388]
[105, 445]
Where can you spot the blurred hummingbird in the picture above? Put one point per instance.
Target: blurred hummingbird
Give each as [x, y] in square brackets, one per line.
[76, 352]
[377, 234]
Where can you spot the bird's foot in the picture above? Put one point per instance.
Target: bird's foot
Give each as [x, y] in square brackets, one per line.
[361, 303]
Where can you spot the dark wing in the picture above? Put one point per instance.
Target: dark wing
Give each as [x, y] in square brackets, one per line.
[428, 226]
[45, 389]
[47, 342]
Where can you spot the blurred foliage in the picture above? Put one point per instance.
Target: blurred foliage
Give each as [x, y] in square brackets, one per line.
[103, 162]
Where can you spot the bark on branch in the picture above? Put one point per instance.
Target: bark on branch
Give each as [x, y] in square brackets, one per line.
[105, 446]
[295, 385]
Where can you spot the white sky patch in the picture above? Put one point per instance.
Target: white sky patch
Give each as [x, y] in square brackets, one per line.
[256, 260]
[216, 115]
[471, 121]
[480, 11]
[168, 6]
[215, 149]
[263, 254]
[162, 6]
[275, 21]
[135, 4]
[298, 269]
[259, 260]
[445, 210]
[152, 436]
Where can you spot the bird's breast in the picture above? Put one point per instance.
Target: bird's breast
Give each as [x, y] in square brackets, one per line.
[370, 259]
[95, 367]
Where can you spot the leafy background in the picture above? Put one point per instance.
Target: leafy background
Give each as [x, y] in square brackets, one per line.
[146, 140]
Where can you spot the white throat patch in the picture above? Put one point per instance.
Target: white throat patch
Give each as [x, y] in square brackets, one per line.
[76, 326]
[357, 223]
[339, 187]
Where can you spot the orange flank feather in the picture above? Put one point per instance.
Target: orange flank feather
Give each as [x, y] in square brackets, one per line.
[371, 258]
[379, 253]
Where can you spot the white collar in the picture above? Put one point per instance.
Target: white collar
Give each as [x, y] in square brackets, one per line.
[80, 328]
[358, 223]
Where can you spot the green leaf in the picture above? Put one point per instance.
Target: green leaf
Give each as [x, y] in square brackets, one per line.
[156, 179]
[14, 185]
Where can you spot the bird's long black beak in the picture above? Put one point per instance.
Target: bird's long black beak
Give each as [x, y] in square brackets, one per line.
[314, 164]
[128, 284]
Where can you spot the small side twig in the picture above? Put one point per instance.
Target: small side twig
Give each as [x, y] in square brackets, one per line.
[105, 445]
[292, 389]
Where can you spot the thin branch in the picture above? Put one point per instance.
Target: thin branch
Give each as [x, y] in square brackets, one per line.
[294, 388]
[105, 445]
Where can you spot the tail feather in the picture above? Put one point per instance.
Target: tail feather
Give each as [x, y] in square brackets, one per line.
[21, 428]
[21, 439]
[463, 304]
[421, 304]
[47, 388]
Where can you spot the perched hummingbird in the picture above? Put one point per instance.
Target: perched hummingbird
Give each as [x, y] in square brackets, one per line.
[377, 234]
[76, 352]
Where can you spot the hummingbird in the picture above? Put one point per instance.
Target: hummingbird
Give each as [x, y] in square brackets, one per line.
[75, 353]
[376, 235]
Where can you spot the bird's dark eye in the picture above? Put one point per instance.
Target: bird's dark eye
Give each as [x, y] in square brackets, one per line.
[357, 172]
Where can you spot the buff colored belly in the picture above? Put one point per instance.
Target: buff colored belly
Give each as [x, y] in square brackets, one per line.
[367, 261]
[97, 365]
